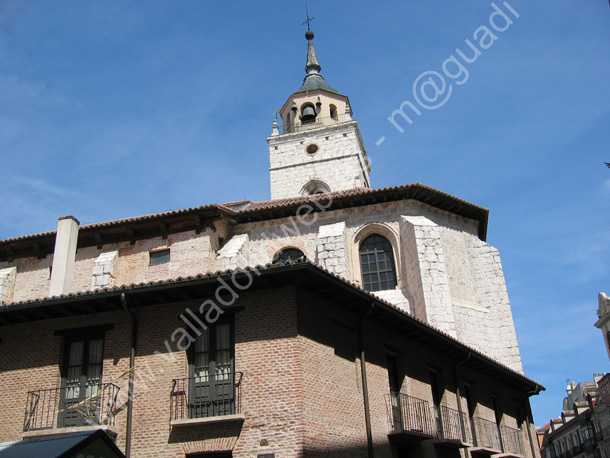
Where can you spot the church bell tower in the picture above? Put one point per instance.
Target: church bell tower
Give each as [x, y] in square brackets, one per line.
[318, 147]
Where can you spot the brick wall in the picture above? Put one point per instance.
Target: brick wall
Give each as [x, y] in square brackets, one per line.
[301, 390]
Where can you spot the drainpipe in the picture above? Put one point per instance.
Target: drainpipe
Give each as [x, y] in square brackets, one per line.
[132, 359]
[459, 395]
[365, 388]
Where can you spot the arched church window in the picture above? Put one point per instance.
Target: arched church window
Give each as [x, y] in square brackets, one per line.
[377, 264]
[288, 255]
[314, 187]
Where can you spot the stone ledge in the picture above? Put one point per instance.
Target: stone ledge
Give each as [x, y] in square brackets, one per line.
[38, 433]
[207, 420]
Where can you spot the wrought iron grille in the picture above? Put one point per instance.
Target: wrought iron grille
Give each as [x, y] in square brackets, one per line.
[407, 413]
[211, 395]
[455, 425]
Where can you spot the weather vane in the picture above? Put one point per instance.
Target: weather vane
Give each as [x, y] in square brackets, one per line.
[309, 19]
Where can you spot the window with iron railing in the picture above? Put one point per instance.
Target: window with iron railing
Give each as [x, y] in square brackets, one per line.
[212, 388]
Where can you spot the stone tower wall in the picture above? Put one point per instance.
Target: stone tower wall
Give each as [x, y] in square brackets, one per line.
[340, 161]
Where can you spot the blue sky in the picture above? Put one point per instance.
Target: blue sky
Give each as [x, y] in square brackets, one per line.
[111, 109]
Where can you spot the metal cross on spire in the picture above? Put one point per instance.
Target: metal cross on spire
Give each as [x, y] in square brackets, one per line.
[309, 19]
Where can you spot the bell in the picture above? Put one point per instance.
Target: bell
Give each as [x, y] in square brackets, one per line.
[309, 114]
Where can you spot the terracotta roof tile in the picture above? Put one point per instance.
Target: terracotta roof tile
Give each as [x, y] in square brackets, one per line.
[246, 207]
[267, 267]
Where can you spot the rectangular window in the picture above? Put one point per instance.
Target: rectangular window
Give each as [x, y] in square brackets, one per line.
[394, 392]
[438, 391]
[498, 414]
[81, 381]
[212, 378]
[437, 387]
[159, 257]
[471, 403]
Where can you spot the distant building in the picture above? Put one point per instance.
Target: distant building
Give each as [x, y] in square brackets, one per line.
[541, 434]
[583, 428]
[578, 392]
[604, 389]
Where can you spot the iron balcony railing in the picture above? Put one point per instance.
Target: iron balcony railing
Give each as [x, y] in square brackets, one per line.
[455, 425]
[410, 414]
[92, 404]
[299, 126]
[413, 415]
[512, 440]
[207, 395]
[487, 434]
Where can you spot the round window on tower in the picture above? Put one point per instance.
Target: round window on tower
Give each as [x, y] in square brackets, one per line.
[312, 148]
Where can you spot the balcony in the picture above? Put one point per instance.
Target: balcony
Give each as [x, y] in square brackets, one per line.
[489, 439]
[414, 420]
[314, 124]
[486, 436]
[512, 441]
[206, 399]
[50, 410]
[410, 417]
[454, 426]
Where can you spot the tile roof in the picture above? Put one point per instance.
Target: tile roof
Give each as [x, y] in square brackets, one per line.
[269, 269]
[314, 82]
[172, 221]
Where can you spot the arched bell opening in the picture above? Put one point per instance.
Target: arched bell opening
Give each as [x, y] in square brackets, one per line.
[308, 113]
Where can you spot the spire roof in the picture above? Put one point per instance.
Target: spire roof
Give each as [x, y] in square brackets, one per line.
[313, 80]
[312, 66]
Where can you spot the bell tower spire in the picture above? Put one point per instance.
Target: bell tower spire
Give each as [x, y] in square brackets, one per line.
[318, 148]
[312, 66]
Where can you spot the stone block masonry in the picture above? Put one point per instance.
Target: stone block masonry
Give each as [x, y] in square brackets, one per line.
[426, 273]
[340, 162]
[104, 270]
[7, 284]
[331, 248]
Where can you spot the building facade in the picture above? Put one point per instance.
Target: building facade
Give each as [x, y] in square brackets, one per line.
[334, 319]
[583, 428]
